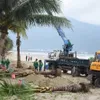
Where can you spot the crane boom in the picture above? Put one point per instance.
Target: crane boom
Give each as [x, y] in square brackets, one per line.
[61, 33]
[67, 44]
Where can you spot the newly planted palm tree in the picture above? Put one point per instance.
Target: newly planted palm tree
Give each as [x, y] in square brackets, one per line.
[32, 12]
[20, 30]
[18, 43]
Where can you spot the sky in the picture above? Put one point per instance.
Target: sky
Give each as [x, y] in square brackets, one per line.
[83, 10]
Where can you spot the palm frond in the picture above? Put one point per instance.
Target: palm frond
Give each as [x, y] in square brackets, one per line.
[36, 7]
[51, 5]
[31, 12]
[49, 20]
[12, 89]
[20, 28]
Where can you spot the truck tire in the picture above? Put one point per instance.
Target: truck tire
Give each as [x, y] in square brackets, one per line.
[58, 72]
[52, 67]
[87, 72]
[64, 71]
[97, 83]
[75, 72]
[91, 79]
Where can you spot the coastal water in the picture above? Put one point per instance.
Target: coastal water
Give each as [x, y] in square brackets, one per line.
[83, 55]
[44, 55]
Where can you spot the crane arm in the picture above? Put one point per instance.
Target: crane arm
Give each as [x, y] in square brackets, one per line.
[61, 33]
[67, 44]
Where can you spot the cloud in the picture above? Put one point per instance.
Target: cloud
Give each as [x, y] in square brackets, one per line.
[82, 10]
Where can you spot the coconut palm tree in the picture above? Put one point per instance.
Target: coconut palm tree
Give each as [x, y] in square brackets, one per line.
[32, 12]
[29, 12]
[20, 30]
[18, 43]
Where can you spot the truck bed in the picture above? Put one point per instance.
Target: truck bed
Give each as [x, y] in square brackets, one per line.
[73, 62]
[70, 62]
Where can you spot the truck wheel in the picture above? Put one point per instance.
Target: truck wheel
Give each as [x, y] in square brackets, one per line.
[86, 74]
[52, 67]
[58, 72]
[74, 72]
[64, 71]
[97, 82]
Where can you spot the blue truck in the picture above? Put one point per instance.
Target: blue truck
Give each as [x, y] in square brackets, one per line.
[66, 59]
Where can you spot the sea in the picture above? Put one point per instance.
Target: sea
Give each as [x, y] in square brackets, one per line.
[44, 53]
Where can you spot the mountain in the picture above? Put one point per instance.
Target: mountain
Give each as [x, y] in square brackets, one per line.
[85, 37]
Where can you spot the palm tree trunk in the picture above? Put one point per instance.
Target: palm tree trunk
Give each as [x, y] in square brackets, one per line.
[55, 73]
[81, 87]
[3, 37]
[4, 49]
[18, 51]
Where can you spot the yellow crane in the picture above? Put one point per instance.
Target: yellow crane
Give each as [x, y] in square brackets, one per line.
[94, 73]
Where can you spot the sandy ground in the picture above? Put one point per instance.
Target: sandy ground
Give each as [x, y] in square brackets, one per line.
[64, 80]
[12, 56]
[40, 56]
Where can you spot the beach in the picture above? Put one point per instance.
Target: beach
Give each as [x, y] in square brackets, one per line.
[49, 50]
[12, 56]
[41, 55]
[65, 79]
[35, 55]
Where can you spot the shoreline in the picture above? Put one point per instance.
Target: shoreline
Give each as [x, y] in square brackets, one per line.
[40, 55]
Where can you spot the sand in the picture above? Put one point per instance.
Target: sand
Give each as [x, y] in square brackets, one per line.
[65, 79]
[39, 55]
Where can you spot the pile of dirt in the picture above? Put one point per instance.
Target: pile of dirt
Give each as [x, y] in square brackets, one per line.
[64, 80]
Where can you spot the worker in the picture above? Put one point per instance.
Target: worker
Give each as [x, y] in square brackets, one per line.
[40, 65]
[7, 63]
[44, 65]
[35, 64]
[26, 57]
[3, 62]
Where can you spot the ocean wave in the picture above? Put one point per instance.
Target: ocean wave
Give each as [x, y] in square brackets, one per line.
[82, 55]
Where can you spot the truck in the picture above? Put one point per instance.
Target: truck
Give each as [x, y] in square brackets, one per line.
[66, 59]
[94, 72]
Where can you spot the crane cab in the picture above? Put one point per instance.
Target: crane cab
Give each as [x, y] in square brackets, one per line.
[57, 54]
